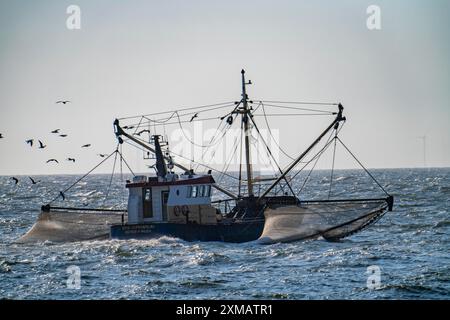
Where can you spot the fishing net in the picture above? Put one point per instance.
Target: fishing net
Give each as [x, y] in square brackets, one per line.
[331, 220]
[66, 226]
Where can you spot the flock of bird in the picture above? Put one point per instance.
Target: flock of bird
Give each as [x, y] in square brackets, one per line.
[42, 145]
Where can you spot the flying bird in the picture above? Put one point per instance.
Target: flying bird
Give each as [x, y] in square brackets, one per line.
[30, 142]
[52, 160]
[33, 181]
[142, 131]
[71, 159]
[56, 131]
[63, 101]
[86, 145]
[16, 181]
[193, 117]
[128, 127]
[102, 155]
[41, 145]
[63, 135]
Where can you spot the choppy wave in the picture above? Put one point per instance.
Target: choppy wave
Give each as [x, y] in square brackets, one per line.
[410, 246]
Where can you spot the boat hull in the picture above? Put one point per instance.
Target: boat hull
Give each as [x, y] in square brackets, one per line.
[236, 232]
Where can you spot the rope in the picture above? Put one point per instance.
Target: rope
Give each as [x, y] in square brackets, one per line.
[183, 157]
[112, 175]
[270, 132]
[297, 108]
[180, 109]
[303, 102]
[76, 182]
[212, 139]
[271, 155]
[227, 165]
[367, 171]
[316, 157]
[121, 156]
[196, 144]
[332, 167]
[292, 114]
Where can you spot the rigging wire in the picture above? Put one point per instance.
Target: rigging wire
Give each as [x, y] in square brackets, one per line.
[137, 127]
[292, 114]
[362, 166]
[112, 175]
[185, 158]
[177, 109]
[194, 143]
[270, 132]
[297, 108]
[155, 124]
[126, 163]
[226, 166]
[301, 102]
[316, 158]
[332, 167]
[212, 139]
[84, 176]
[121, 161]
[271, 155]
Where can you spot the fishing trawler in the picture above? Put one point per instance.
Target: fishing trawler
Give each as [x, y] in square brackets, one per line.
[182, 202]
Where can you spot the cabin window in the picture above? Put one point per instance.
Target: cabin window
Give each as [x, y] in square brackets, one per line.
[148, 205]
[194, 193]
[201, 191]
[189, 191]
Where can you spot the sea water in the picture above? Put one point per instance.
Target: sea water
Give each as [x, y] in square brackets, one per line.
[405, 255]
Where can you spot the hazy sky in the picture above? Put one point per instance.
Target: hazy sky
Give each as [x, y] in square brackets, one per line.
[135, 57]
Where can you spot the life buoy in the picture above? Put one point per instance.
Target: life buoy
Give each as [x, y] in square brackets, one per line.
[176, 211]
[185, 210]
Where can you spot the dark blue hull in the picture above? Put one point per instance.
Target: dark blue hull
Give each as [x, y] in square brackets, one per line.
[236, 232]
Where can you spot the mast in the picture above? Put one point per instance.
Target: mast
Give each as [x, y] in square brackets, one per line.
[245, 119]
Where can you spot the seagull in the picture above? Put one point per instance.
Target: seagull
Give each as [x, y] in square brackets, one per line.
[30, 142]
[62, 195]
[41, 145]
[193, 117]
[56, 131]
[15, 180]
[70, 159]
[54, 160]
[142, 131]
[102, 155]
[33, 181]
[86, 145]
[63, 135]
[63, 101]
[128, 127]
